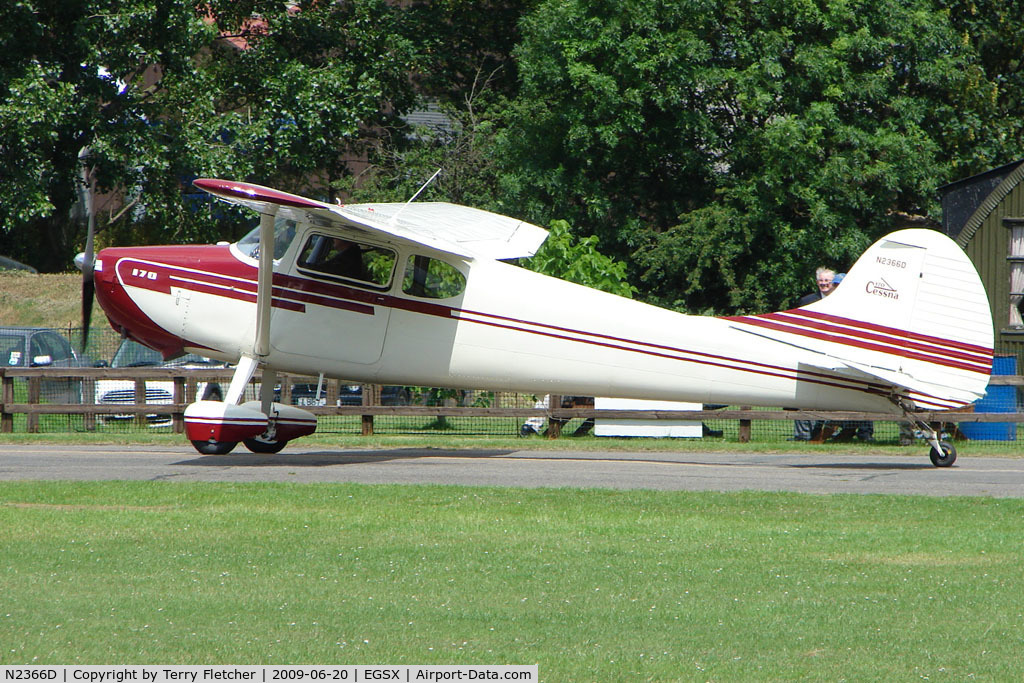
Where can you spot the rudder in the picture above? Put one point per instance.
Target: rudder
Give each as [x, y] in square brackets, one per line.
[915, 296]
[912, 311]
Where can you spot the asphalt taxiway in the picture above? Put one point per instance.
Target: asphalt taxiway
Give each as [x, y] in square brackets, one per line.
[809, 473]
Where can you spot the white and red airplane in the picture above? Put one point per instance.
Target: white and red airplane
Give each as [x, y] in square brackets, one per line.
[418, 293]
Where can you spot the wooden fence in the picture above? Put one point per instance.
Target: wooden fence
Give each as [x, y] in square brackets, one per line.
[185, 382]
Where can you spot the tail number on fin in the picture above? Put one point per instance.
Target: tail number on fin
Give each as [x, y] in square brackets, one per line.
[894, 263]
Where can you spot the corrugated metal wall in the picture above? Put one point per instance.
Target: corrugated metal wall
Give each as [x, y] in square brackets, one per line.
[988, 249]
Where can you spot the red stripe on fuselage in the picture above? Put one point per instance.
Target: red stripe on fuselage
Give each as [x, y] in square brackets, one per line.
[237, 280]
[916, 336]
[890, 341]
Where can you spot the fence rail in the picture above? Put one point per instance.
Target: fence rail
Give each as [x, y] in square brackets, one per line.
[186, 381]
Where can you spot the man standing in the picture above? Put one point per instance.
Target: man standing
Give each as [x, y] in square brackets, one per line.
[825, 278]
[803, 430]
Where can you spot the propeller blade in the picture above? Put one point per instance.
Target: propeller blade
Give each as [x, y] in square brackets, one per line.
[88, 261]
[88, 293]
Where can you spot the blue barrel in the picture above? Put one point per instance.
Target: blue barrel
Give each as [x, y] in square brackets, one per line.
[998, 399]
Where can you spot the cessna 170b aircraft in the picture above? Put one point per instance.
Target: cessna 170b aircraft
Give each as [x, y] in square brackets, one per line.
[418, 293]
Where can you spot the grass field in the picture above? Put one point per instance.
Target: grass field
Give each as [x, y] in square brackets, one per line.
[591, 585]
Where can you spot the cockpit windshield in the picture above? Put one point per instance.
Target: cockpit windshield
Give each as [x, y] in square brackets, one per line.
[284, 233]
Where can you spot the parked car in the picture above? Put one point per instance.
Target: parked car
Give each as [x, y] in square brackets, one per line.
[304, 394]
[131, 354]
[42, 347]
[7, 263]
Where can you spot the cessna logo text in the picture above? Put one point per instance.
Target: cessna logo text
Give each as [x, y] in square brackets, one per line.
[881, 288]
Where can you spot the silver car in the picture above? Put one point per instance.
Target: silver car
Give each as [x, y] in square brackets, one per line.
[131, 354]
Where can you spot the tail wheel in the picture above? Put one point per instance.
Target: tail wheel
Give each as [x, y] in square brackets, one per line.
[214, 447]
[946, 458]
[259, 445]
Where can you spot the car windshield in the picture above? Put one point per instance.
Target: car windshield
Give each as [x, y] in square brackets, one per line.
[133, 355]
[284, 233]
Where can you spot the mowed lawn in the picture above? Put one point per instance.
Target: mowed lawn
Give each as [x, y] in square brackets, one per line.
[590, 585]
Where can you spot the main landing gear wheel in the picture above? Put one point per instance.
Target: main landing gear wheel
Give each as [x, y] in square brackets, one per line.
[214, 447]
[946, 458]
[260, 445]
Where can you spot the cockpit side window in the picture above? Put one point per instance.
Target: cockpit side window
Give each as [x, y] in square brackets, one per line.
[284, 233]
[342, 258]
[431, 278]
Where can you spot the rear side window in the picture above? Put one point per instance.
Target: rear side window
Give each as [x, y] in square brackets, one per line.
[342, 258]
[12, 350]
[432, 278]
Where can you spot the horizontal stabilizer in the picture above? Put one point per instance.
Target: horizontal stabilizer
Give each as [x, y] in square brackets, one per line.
[902, 379]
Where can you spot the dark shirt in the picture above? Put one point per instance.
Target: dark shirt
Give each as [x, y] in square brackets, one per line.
[809, 299]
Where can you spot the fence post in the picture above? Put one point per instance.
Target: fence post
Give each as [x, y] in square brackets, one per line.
[286, 389]
[89, 398]
[554, 424]
[178, 419]
[6, 397]
[744, 434]
[331, 385]
[140, 397]
[371, 397]
[32, 419]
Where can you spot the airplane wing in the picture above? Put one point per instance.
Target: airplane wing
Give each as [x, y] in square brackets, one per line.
[450, 228]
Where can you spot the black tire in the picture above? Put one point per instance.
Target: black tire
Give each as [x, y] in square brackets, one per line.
[257, 445]
[214, 447]
[946, 458]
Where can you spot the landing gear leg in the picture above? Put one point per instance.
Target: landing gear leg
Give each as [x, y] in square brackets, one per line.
[244, 371]
[267, 442]
[943, 453]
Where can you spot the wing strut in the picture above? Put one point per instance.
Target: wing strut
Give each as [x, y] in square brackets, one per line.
[265, 283]
[249, 362]
[394, 219]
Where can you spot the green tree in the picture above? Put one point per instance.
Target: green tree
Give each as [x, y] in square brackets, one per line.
[465, 41]
[568, 257]
[726, 147]
[994, 30]
[161, 92]
[468, 176]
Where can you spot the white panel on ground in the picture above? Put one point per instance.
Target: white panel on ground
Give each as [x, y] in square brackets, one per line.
[652, 427]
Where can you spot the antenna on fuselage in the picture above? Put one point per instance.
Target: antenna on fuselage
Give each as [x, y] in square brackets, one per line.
[413, 198]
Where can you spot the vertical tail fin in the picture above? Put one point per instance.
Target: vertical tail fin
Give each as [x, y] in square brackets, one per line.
[912, 311]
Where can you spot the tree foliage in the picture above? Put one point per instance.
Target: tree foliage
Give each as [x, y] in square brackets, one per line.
[720, 149]
[159, 93]
[467, 176]
[728, 146]
[567, 257]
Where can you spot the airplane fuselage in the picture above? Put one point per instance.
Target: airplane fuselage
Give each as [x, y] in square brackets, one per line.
[507, 328]
[420, 294]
